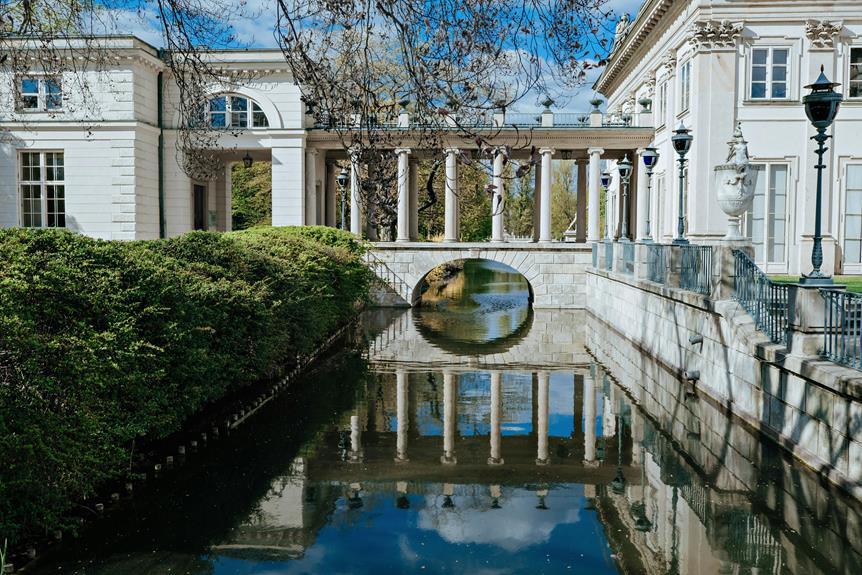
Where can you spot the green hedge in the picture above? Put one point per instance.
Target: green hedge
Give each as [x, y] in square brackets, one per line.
[103, 343]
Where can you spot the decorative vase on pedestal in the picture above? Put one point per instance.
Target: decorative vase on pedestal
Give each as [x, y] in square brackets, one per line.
[734, 184]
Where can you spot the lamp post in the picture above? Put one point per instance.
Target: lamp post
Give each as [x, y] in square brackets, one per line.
[650, 159]
[624, 167]
[606, 181]
[342, 179]
[681, 140]
[821, 106]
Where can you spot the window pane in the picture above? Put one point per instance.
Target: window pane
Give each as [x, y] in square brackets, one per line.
[856, 55]
[218, 104]
[53, 94]
[854, 176]
[31, 205]
[758, 90]
[779, 56]
[56, 206]
[854, 201]
[239, 112]
[29, 86]
[759, 55]
[853, 227]
[852, 252]
[30, 167]
[779, 73]
[218, 119]
[779, 90]
[758, 74]
[855, 89]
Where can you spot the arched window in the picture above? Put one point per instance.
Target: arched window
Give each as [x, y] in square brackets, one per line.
[236, 112]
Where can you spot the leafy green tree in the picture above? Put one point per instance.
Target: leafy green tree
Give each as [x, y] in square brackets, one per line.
[564, 198]
[251, 197]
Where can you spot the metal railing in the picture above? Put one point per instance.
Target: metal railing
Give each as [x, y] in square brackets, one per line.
[609, 255]
[628, 257]
[695, 268]
[764, 299]
[843, 327]
[386, 276]
[571, 119]
[658, 262]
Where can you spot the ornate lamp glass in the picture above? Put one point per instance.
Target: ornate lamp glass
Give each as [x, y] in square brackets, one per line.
[624, 167]
[343, 178]
[821, 105]
[681, 141]
[606, 179]
[650, 158]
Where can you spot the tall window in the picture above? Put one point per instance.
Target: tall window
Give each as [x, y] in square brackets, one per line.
[236, 112]
[853, 216]
[42, 190]
[39, 94]
[685, 86]
[766, 222]
[854, 85]
[769, 74]
[662, 104]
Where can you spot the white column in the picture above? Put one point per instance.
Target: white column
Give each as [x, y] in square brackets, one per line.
[310, 187]
[542, 431]
[450, 423]
[414, 201]
[288, 183]
[228, 197]
[403, 194]
[545, 202]
[643, 205]
[498, 199]
[496, 457]
[355, 454]
[594, 195]
[401, 414]
[355, 202]
[450, 233]
[537, 202]
[331, 190]
[589, 419]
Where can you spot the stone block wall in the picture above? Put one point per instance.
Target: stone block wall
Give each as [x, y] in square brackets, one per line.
[812, 408]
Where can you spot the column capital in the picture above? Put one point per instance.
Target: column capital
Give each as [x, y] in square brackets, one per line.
[598, 151]
[312, 151]
[640, 151]
[546, 150]
[453, 150]
[400, 151]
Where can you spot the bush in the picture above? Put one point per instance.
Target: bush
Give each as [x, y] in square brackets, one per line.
[103, 344]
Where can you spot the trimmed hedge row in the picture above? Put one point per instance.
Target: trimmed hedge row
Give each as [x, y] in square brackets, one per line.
[103, 344]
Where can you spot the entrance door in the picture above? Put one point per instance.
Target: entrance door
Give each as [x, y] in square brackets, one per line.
[199, 191]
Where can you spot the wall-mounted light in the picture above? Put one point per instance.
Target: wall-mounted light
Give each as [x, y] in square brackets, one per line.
[247, 160]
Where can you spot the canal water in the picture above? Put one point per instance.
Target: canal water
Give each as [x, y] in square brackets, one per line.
[475, 435]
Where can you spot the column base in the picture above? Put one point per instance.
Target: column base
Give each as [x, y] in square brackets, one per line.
[591, 463]
[400, 460]
[495, 461]
[540, 461]
[448, 459]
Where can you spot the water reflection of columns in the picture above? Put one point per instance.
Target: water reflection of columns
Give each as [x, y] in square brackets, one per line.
[496, 412]
[401, 414]
[542, 432]
[589, 419]
[355, 455]
[450, 423]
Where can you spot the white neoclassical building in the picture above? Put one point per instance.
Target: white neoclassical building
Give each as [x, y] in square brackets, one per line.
[107, 165]
[710, 63]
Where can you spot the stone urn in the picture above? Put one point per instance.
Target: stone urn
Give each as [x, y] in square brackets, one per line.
[734, 183]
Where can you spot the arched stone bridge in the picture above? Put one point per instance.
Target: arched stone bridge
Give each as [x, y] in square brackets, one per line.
[555, 271]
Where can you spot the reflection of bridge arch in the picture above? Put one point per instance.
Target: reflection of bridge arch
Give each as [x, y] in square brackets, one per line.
[459, 346]
[554, 271]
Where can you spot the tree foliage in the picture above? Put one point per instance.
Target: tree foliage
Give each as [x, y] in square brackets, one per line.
[104, 344]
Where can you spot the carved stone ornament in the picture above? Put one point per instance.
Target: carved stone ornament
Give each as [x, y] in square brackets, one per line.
[713, 34]
[822, 33]
[734, 184]
[668, 62]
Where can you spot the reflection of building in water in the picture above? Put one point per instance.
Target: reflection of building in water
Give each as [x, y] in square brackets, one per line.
[285, 522]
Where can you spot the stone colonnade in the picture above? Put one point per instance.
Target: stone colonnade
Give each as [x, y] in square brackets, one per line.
[321, 204]
[588, 403]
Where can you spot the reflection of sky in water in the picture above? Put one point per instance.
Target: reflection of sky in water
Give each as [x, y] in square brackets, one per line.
[430, 538]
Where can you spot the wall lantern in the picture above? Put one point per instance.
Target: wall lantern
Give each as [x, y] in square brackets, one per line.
[247, 160]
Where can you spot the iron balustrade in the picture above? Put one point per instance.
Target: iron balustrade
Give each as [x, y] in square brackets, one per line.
[609, 255]
[695, 268]
[765, 300]
[843, 327]
[628, 257]
[658, 262]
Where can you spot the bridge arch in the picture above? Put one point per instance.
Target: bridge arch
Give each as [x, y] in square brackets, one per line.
[416, 292]
[554, 272]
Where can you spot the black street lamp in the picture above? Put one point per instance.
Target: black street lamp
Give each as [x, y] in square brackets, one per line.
[606, 181]
[247, 160]
[821, 107]
[650, 159]
[342, 179]
[624, 167]
[681, 140]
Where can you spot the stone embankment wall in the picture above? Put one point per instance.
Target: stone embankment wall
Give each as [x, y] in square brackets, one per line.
[811, 407]
[725, 459]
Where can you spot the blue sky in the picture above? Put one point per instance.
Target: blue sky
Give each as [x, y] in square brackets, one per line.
[257, 31]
